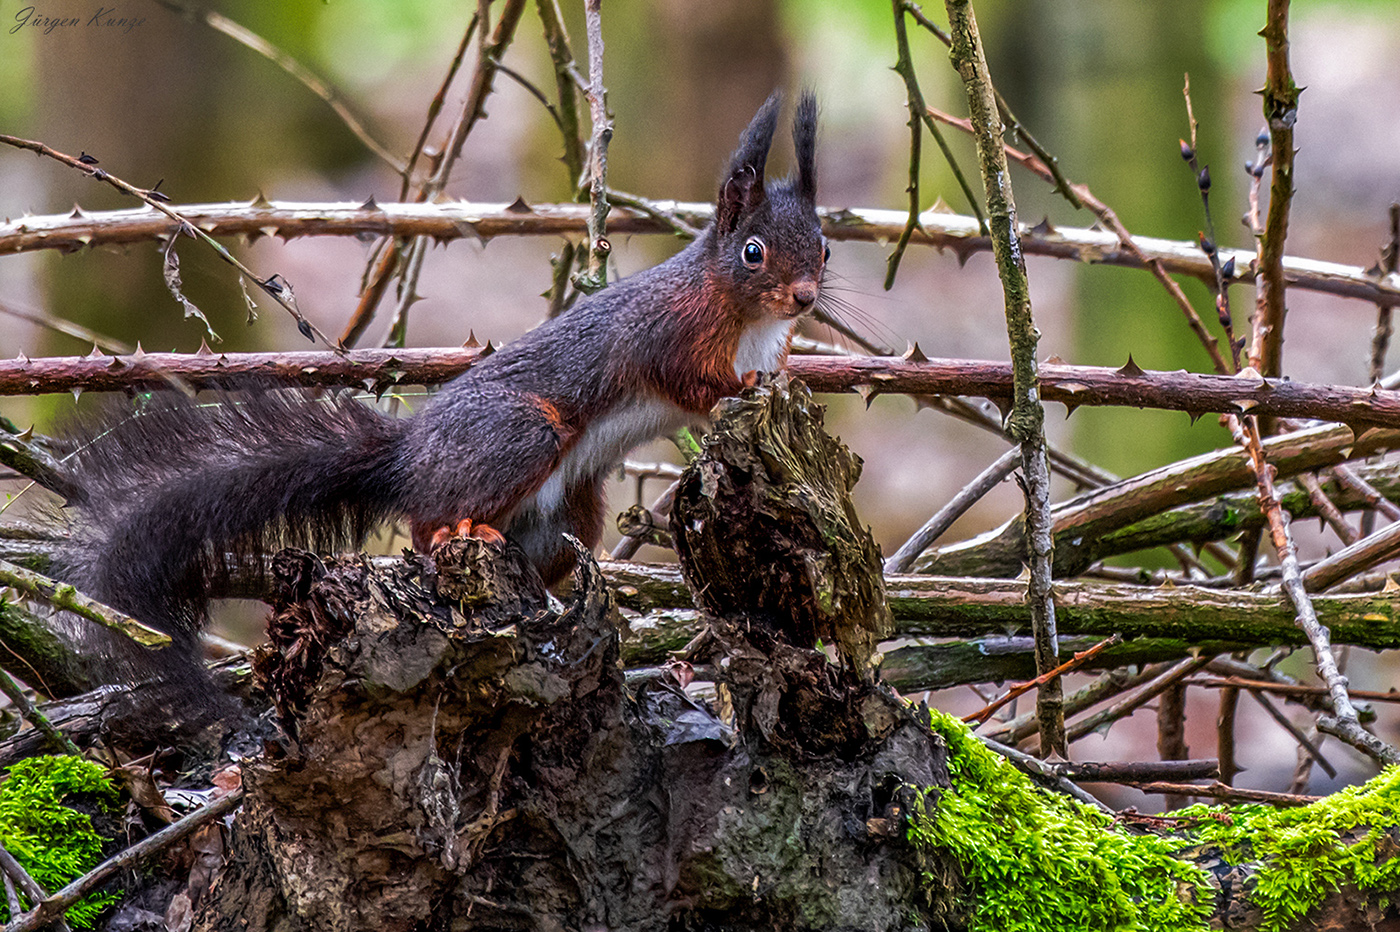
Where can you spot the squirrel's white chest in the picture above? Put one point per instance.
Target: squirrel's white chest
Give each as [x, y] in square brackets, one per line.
[606, 441]
[762, 346]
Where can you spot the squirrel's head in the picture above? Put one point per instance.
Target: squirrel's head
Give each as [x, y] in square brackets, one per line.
[771, 251]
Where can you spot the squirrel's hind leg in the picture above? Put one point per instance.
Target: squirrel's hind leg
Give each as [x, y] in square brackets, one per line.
[471, 468]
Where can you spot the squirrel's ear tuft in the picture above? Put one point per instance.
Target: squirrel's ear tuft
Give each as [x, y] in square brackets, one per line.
[742, 189]
[804, 140]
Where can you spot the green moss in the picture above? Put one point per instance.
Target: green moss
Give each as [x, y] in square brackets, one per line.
[55, 843]
[1036, 860]
[1033, 860]
[1351, 839]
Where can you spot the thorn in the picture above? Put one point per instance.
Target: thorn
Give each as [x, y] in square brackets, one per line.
[1245, 405]
[204, 349]
[77, 213]
[77, 391]
[1054, 360]
[471, 340]
[1249, 372]
[866, 392]
[23, 360]
[518, 206]
[914, 354]
[116, 363]
[138, 353]
[487, 350]
[260, 202]
[86, 159]
[1131, 369]
[1043, 228]
[1194, 416]
[369, 204]
[1390, 584]
[96, 353]
[1070, 408]
[28, 434]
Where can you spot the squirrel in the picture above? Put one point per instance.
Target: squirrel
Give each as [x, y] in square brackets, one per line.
[518, 446]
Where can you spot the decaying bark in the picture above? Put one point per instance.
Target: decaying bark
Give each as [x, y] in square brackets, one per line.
[765, 529]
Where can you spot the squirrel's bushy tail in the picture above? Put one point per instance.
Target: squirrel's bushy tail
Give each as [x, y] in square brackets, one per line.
[175, 488]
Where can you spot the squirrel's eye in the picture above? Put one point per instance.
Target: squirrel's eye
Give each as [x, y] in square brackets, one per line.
[826, 253]
[753, 252]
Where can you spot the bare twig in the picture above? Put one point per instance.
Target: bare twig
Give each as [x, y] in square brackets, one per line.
[1112, 683]
[33, 716]
[1344, 721]
[1326, 508]
[1171, 731]
[64, 596]
[1027, 420]
[1020, 689]
[1109, 219]
[1043, 770]
[1208, 240]
[15, 871]
[1125, 707]
[918, 119]
[1225, 733]
[274, 286]
[58, 903]
[1218, 790]
[309, 79]
[660, 509]
[1304, 742]
[1390, 260]
[1354, 559]
[988, 479]
[1281, 112]
[596, 276]
[1138, 771]
[1290, 690]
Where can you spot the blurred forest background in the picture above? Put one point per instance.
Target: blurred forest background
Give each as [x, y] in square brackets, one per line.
[1098, 83]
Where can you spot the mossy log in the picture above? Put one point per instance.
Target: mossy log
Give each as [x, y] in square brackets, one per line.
[1082, 524]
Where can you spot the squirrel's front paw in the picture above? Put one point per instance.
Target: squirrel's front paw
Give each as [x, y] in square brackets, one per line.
[466, 528]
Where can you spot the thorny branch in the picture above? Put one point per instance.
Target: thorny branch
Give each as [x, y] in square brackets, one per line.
[449, 220]
[274, 286]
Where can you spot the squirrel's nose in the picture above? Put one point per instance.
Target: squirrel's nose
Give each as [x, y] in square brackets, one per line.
[805, 294]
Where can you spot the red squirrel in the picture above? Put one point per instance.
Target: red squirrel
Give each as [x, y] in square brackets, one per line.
[519, 445]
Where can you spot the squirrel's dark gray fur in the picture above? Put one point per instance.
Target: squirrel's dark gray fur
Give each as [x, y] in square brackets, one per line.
[522, 441]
